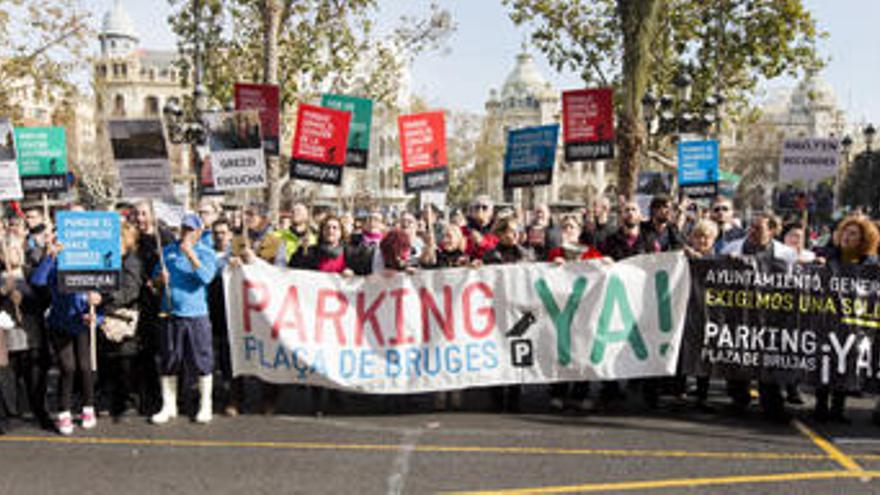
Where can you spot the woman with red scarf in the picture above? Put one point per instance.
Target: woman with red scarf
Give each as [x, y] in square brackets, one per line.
[330, 255]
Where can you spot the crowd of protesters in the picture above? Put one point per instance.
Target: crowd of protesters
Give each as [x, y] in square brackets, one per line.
[164, 331]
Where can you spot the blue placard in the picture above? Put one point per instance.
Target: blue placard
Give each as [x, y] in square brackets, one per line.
[530, 156]
[697, 162]
[91, 253]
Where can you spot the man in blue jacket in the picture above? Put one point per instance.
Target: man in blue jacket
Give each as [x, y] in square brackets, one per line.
[185, 339]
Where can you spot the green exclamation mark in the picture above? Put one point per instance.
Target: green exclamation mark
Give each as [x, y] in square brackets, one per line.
[664, 306]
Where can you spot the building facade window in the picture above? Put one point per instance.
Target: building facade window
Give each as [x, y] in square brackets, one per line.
[119, 106]
[151, 106]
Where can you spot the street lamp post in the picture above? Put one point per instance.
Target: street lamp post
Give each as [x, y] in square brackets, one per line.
[869, 132]
[676, 115]
[189, 127]
[845, 148]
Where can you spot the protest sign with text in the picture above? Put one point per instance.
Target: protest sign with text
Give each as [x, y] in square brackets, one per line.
[530, 156]
[141, 157]
[265, 99]
[423, 151]
[361, 109]
[813, 324]
[10, 184]
[319, 145]
[457, 328]
[236, 151]
[42, 159]
[808, 160]
[91, 254]
[588, 124]
[698, 168]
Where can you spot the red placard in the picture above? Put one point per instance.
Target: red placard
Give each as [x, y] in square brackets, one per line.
[264, 98]
[423, 151]
[319, 144]
[588, 124]
[422, 141]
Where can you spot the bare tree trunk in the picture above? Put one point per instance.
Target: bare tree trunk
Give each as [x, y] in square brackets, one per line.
[271, 26]
[638, 19]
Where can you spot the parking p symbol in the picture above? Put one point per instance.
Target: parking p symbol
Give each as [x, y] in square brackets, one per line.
[521, 353]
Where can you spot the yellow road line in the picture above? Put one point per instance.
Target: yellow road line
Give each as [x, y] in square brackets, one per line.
[680, 483]
[159, 442]
[833, 452]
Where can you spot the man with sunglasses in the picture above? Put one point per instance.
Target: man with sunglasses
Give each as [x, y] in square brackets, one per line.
[478, 231]
[728, 230]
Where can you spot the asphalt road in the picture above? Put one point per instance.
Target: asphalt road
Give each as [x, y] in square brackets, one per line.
[358, 448]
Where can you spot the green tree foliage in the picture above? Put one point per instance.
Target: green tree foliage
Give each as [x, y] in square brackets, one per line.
[307, 47]
[859, 186]
[323, 45]
[729, 46]
[42, 47]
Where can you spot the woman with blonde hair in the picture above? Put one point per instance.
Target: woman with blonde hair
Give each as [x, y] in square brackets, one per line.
[27, 354]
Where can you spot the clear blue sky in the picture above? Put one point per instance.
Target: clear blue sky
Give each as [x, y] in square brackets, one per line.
[483, 50]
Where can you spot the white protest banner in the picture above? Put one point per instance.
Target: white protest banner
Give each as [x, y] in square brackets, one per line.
[141, 157]
[436, 198]
[10, 182]
[169, 213]
[236, 150]
[461, 327]
[809, 160]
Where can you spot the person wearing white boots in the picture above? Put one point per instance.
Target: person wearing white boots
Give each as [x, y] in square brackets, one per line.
[185, 339]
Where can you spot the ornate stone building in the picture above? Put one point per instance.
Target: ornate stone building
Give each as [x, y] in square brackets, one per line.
[132, 82]
[810, 109]
[527, 99]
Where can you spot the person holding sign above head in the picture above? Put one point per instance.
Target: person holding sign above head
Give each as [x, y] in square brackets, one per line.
[69, 319]
[185, 340]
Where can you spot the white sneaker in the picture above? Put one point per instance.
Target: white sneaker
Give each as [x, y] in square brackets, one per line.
[64, 423]
[89, 420]
[556, 404]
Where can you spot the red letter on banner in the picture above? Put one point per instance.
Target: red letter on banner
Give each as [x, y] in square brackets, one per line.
[368, 316]
[322, 314]
[487, 311]
[399, 321]
[263, 301]
[290, 304]
[447, 323]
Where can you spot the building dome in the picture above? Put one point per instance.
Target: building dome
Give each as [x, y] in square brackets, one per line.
[117, 23]
[525, 82]
[814, 92]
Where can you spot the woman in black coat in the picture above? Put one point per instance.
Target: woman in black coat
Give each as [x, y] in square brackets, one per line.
[118, 342]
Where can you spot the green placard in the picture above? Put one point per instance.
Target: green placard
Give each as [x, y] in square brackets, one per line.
[41, 151]
[359, 130]
[42, 158]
